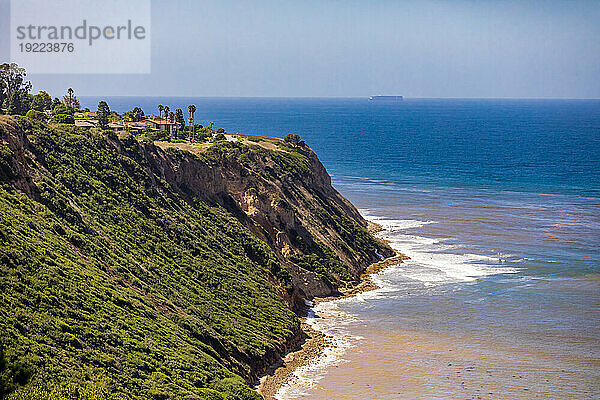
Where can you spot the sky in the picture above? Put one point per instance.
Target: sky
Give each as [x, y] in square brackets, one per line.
[349, 48]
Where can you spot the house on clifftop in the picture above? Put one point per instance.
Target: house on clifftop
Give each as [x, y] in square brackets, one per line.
[161, 124]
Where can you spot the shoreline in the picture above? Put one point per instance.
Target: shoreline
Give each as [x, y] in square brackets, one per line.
[316, 342]
[312, 348]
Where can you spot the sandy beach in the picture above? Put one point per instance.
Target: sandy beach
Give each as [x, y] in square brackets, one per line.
[316, 341]
[313, 347]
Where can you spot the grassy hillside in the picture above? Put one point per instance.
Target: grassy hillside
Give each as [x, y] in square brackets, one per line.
[115, 283]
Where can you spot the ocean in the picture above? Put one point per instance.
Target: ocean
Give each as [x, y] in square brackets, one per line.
[497, 204]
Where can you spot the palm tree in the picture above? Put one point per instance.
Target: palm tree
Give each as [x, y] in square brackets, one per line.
[70, 93]
[192, 110]
[171, 119]
[167, 109]
[160, 108]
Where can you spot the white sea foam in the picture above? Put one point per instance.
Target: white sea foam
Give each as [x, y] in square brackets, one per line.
[432, 262]
[329, 319]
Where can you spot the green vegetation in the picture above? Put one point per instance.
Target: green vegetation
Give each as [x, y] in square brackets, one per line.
[356, 241]
[292, 138]
[70, 391]
[111, 277]
[179, 118]
[102, 114]
[61, 109]
[191, 111]
[55, 102]
[292, 163]
[71, 101]
[14, 90]
[41, 101]
[62, 119]
[18, 103]
[36, 115]
[135, 115]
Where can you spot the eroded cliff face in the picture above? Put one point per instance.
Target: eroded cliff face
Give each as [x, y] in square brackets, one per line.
[285, 197]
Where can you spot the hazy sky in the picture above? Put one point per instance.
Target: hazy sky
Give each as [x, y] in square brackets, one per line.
[359, 48]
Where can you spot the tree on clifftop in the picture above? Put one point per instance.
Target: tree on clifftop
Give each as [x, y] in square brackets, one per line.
[18, 103]
[171, 118]
[102, 114]
[135, 115]
[71, 101]
[55, 103]
[36, 115]
[60, 109]
[192, 110]
[41, 101]
[12, 80]
[293, 139]
[179, 119]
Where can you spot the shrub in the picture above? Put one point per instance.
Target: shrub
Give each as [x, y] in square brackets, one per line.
[155, 135]
[60, 391]
[62, 119]
[127, 138]
[18, 103]
[202, 136]
[220, 137]
[60, 109]
[6, 172]
[41, 101]
[293, 139]
[36, 115]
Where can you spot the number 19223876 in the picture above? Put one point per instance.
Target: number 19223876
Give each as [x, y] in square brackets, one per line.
[46, 47]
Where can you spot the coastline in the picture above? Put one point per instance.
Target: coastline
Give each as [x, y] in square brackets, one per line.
[282, 372]
[316, 343]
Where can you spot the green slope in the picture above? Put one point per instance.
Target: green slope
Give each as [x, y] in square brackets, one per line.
[131, 272]
[110, 277]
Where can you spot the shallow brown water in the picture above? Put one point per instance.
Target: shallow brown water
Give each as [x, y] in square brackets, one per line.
[500, 300]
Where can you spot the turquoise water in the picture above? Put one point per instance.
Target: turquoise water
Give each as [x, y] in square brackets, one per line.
[497, 202]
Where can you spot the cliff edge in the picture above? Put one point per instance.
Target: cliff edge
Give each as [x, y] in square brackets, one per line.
[149, 271]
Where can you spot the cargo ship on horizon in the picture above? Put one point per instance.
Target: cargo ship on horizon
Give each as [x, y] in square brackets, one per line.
[388, 98]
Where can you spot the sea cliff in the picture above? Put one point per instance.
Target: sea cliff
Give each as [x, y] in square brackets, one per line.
[158, 270]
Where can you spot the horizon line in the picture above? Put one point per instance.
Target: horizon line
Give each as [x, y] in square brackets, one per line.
[344, 97]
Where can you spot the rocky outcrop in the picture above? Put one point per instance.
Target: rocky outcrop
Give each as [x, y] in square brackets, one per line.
[285, 197]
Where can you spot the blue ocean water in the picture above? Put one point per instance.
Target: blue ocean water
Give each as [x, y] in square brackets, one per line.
[496, 202]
